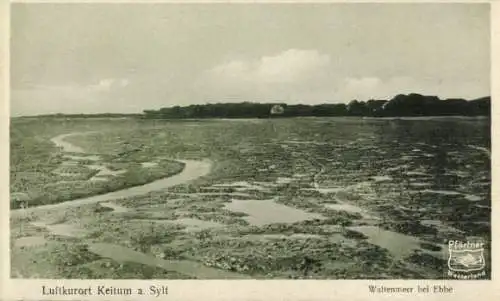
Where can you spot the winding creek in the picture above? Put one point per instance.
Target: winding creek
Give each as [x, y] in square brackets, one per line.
[193, 169]
[258, 213]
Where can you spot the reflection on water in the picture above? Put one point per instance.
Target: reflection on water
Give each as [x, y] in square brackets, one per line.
[382, 178]
[443, 192]
[190, 268]
[472, 198]
[149, 164]
[399, 245]
[263, 212]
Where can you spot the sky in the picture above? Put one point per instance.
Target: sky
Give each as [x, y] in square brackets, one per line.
[96, 58]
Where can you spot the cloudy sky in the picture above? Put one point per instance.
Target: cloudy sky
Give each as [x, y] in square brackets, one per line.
[88, 58]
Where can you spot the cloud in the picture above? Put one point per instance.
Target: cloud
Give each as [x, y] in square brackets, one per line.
[289, 66]
[297, 76]
[292, 75]
[310, 76]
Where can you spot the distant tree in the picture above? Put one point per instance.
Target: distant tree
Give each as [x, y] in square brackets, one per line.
[375, 107]
[479, 107]
[356, 108]
[410, 105]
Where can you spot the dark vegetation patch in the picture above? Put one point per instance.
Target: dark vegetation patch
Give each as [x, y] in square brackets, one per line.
[430, 247]
[109, 269]
[429, 262]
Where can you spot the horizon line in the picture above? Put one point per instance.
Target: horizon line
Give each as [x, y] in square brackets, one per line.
[240, 102]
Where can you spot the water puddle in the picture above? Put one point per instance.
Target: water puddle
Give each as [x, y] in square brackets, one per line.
[255, 188]
[381, 178]
[282, 180]
[442, 192]
[300, 175]
[233, 184]
[415, 173]
[30, 241]
[336, 229]
[472, 198]
[263, 212]
[66, 146]
[62, 183]
[351, 208]
[282, 236]
[440, 226]
[190, 268]
[304, 142]
[149, 164]
[399, 245]
[457, 173]
[104, 171]
[482, 149]
[420, 184]
[160, 206]
[324, 190]
[81, 158]
[98, 179]
[408, 158]
[115, 207]
[266, 184]
[235, 194]
[242, 186]
[212, 188]
[398, 168]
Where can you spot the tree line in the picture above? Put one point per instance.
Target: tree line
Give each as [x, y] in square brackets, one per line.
[400, 105]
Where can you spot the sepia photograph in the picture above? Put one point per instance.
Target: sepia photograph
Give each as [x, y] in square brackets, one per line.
[261, 141]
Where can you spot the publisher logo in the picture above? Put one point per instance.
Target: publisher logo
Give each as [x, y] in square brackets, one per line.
[466, 259]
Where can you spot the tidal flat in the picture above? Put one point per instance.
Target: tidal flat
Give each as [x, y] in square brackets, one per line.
[302, 198]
